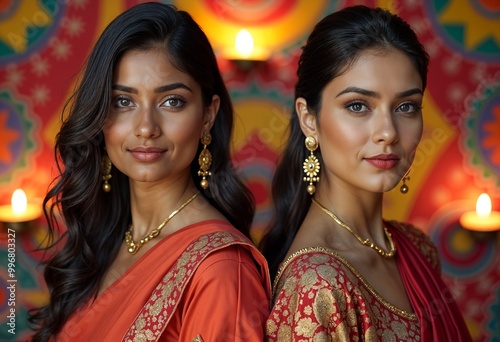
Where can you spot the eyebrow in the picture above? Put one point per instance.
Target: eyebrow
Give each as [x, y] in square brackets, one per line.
[370, 93]
[158, 90]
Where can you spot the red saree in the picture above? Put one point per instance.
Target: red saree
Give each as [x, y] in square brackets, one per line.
[321, 296]
[205, 282]
[432, 301]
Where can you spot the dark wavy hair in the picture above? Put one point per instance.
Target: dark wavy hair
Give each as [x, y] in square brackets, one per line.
[96, 221]
[335, 44]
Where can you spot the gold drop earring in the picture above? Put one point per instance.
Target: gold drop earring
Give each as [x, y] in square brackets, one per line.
[311, 165]
[205, 160]
[404, 188]
[106, 172]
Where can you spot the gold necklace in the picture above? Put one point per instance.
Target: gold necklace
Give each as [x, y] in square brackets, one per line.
[366, 242]
[133, 246]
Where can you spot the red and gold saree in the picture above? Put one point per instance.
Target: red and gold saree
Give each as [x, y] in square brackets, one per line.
[321, 297]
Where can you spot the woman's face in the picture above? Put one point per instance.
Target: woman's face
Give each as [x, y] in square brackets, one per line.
[156, 118]
[370, 122]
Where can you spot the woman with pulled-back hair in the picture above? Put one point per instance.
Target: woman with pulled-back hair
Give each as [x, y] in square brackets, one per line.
[157, 245]
[341, 272]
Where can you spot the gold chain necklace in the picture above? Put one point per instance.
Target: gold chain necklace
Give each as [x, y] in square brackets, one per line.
[133, 246]
[366, 242]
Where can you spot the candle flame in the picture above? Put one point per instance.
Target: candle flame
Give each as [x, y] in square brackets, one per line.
[244, 43]
[483, 205]
[19, 201]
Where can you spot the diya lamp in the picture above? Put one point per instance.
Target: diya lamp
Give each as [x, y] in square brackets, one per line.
[19, 215]
[483, 221]
[245, 54]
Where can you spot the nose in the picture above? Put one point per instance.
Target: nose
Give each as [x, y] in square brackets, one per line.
[385, 130]
[147, 125]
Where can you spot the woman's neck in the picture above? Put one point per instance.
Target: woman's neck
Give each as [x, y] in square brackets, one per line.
[152, 203]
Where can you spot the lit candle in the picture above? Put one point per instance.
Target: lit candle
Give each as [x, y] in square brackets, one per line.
[19, 210]
[244, 48]
[244, 44]
[483, 219]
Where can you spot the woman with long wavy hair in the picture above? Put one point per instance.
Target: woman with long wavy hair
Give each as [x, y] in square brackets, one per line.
[156, 243]
[341, 272]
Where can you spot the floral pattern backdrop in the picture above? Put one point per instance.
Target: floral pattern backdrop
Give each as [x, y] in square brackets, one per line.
[44, 43]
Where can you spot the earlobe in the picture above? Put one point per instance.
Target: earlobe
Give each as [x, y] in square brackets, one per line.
[307, 119]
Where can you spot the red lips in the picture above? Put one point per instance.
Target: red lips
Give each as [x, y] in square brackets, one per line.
[147, 154]
[383, 161]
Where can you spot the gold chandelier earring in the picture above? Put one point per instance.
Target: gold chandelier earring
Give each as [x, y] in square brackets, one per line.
[404, 188]
[205, 160]
[106, 172]
[311, 165]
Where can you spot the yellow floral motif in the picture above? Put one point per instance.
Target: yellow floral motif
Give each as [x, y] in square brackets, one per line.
[308, 310]
[156, 308]
[140, 324]
[305, 327]
[323, 306]
[271, 326]
[284, 333]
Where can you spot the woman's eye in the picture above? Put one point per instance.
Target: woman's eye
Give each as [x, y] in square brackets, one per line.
[174, 102]
[408, 107]
[357, 107]
[122, 102]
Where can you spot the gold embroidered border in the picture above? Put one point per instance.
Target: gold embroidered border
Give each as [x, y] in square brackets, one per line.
[307, 250]
[157, 312]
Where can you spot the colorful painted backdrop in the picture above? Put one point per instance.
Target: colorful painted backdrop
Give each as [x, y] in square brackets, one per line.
[43, 44]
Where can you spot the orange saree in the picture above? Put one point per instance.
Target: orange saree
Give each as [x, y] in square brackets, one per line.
[205, 282]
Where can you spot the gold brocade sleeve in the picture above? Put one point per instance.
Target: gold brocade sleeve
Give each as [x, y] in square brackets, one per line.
[319, 296]
[309, 307]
